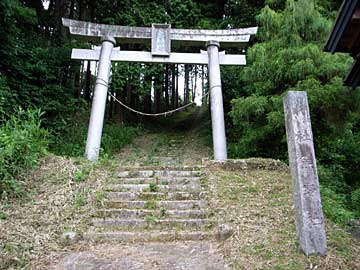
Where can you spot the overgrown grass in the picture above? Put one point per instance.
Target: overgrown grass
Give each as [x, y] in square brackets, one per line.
[258, 204]
[69, 136]
[22, 142]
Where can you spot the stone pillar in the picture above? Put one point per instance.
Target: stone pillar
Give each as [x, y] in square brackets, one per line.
[99, 100]
[216, 99]
[310, 225]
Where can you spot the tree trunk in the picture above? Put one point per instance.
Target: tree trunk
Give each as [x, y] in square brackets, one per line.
[166, 86]
[194, 86]
[157, 94]
[128, 92]
[111, 105]
[173, 90]
[147, 103]
[186, 85]
[177, 87]
[87, 91]
[72, 9]
[59, 12]
[119, 110]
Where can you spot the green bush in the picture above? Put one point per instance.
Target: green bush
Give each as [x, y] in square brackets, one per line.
[289, 56]
[355, 199]
[116, 136]
[22, 142]
[69, 136]
[334, 206]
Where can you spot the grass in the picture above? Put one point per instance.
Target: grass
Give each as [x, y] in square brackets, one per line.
[31, 227]
[259, 206]
[150, 205]
[153, 187]
[152, 147]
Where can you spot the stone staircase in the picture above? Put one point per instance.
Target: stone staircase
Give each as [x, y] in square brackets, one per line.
[154, 205]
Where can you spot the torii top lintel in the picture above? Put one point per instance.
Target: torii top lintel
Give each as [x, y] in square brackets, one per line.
[143, 34]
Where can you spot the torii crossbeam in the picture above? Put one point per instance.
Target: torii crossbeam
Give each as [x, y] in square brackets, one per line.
[161, 37]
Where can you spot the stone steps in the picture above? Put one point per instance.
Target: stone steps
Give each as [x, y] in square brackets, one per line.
[158, 173]
[157, 180]
[131, 196]
[171, 205]
[153, 205]
[146, 188]
[152, 222]
[149, 236]
[141, 213]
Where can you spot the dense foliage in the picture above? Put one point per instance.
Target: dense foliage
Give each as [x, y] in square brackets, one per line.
[287, 57]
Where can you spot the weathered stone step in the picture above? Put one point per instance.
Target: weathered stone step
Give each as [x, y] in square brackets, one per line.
[179, 205]
[158, 188]
[149, 236]
[133, 196]
[157, 180]
[158, 173]
[143, 213]
[152, 222]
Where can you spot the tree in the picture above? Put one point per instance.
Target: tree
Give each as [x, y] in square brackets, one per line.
[290, 57]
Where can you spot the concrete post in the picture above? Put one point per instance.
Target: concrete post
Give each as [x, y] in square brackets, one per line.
[99, 100]
[216, 100]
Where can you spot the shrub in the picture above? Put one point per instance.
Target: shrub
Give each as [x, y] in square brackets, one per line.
[116, 136]
[355, 199]
[22, 142]
[334, 206]
[69, 136]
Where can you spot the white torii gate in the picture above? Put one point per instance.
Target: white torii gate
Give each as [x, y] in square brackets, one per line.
[161, 36]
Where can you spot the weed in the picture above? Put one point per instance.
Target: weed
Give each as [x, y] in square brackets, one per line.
[80, 198]
[3, 215]
[162, 212]
[252, 189]
[99, 197]
[150, 205]
[151, 219]
[82, 174]
[153, 187]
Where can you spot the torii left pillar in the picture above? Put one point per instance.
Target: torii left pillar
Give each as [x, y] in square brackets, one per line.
[99, 100]
[216, 101]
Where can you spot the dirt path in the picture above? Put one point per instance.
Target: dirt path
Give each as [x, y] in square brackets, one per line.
[147, 256]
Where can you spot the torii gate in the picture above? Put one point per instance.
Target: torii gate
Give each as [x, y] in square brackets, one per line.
[161, 36]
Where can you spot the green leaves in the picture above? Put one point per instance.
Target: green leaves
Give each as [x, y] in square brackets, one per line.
[22, 142]
[291, 57]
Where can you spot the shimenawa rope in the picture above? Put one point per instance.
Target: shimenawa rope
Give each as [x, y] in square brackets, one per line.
[104, 83]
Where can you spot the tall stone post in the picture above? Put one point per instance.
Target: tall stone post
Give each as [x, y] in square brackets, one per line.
[99, 100]
[216, 99]
[310, 225]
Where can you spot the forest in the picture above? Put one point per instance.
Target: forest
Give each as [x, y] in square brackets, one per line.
[45, 97]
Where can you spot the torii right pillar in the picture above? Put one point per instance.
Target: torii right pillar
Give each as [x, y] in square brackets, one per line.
[216, 100]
